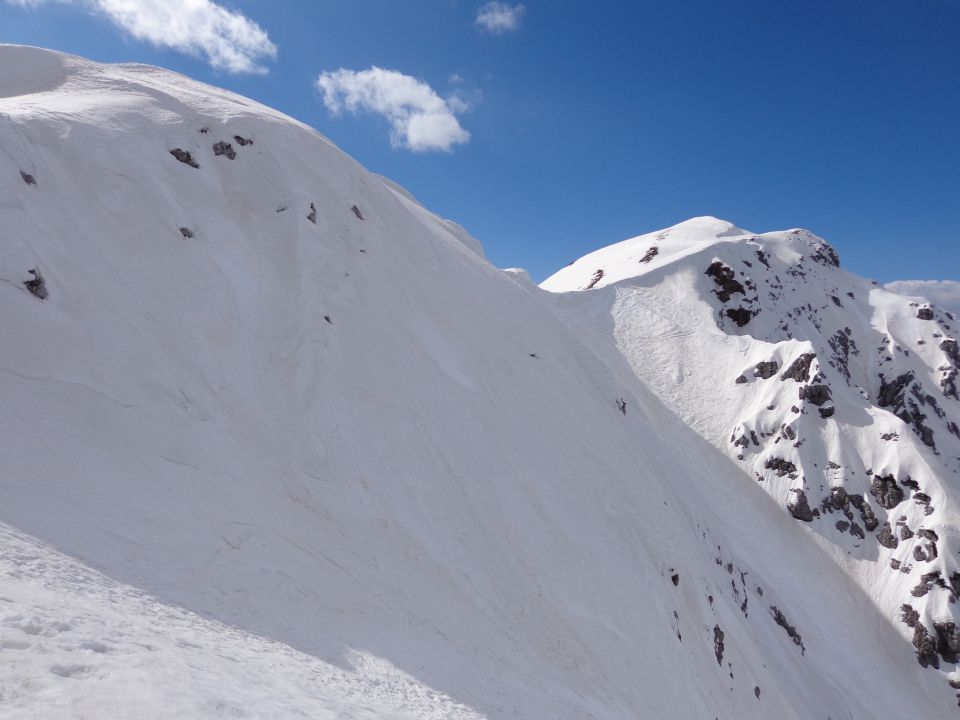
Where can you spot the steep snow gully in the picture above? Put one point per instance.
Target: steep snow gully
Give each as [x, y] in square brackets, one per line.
[278, 442]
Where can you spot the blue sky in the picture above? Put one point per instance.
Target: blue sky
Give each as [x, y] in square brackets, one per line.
[590, 122]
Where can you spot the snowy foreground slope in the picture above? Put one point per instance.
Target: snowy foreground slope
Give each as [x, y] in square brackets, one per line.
[277, 442]
[838, 397]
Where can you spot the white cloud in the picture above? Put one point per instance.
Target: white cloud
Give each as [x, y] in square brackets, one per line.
[228, 40]
[499, 17]
[420, 119]
[942, 293]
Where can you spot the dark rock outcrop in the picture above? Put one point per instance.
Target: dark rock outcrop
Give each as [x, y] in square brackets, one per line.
[799, 369]
[780, 619]
[886, 537]
[886, 491]
[36, 286]
[185, 157]
[226, 149]
[725, 280]
[799, 508]
[718, 644]
[766, 370]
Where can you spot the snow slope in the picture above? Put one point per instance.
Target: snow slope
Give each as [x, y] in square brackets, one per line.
[838, 397]
[278, 442]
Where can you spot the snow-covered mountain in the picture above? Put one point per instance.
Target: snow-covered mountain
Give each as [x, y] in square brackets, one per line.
[278, 442]
[838, 397]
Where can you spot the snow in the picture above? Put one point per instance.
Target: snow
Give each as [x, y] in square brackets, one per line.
[670, 323]
[348, 469]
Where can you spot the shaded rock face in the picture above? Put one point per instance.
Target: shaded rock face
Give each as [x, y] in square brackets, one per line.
[948, 641]
[799, 507]
[886, 491]
[926, 647]
[741, 316]
[925, 313]
[356, 211]
[725, 280]
[766, 370]
[799, 369]
[185, 157]
[815, 394]
[892, 393]
[28, 178]
[650, 254]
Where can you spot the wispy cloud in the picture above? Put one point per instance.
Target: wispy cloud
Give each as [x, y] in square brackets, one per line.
[945, 293]
[500, 17]
[420, 119]
[226, 39]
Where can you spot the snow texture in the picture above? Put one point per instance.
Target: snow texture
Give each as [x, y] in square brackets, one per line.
[346, 468]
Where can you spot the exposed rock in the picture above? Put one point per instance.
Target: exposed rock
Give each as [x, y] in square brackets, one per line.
[892, 394]
[799, 508]
[927, 581]
[725, 280]
[242, 141]
[37, 286]
[186, 232]
[948, 641]
[886, 537]
[741, 379]
[925, 313]
[827, 412]
[650, 254]
[799, 369]
[597, 277]
[825, 255]
[952, 350]
[780, 466]
[780, 619]
[741, 316]
[766, 370]
[857, 531]
[224, 148]
[185, 157]
[815, 394]
[886, 490]
[356, 211]
[28, 178]
[842, 525]
[675, 579]
[926, 647]
[718, 644]
[312, 215]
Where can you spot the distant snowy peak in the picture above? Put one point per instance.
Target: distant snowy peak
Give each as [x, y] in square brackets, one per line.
[645, 253]
[839, 397]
